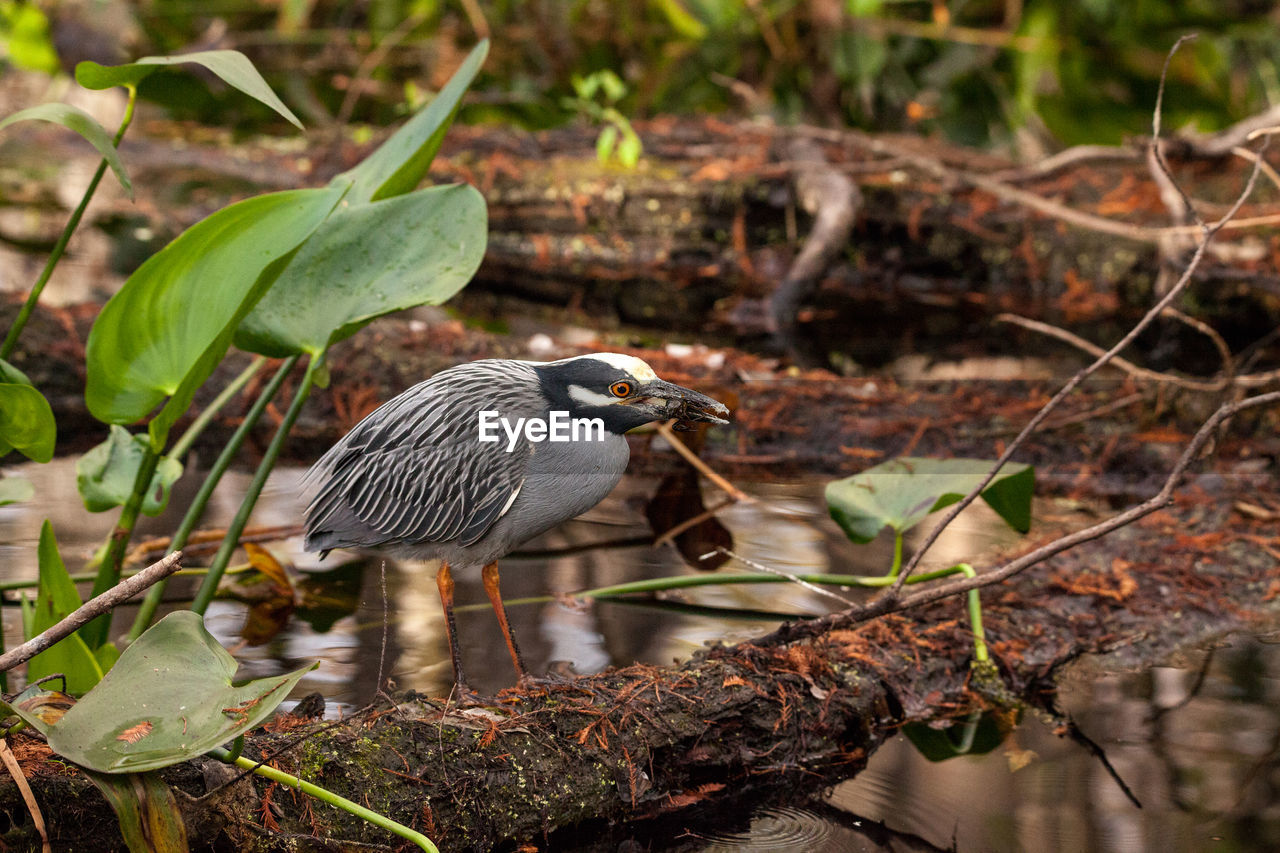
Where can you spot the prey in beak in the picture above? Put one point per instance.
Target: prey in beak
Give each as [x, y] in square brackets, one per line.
[685, 405]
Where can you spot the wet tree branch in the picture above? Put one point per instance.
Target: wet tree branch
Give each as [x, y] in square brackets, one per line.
[92, 609]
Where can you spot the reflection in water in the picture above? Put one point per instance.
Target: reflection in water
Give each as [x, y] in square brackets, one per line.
[1205, 766]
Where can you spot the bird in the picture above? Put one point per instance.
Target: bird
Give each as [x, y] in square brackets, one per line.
[484, 456]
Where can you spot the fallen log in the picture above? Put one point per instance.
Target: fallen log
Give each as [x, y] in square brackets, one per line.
[718, 214]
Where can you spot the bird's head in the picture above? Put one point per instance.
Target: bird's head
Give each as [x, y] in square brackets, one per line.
[622, 391]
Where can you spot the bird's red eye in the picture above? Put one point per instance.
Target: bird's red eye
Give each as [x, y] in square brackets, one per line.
[621, 389]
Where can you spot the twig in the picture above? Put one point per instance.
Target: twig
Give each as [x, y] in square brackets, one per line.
[664, 429]
[1267, 168]
[371, 62]
[37, 818]
[1117, 361]
[1072, 156]
[761, 567]
[670, 535]
[1208, 232]
[1224, 351]
[92, 609]
[1247, 380]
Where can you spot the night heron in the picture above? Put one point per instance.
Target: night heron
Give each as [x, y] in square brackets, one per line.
[482, 457]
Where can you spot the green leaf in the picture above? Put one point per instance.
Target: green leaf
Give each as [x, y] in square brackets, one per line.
[169, 698]
[56, 598]
[82, 123]
[28, 45]
[9, 373]
[166, 329]
[15, 490]
[232, 66]
[26, 422]
[681, 20]
[106, 474]
[399, 164]
[901, 492]
[605, 141]
[368, 260]
[629, 149]
[147, 814]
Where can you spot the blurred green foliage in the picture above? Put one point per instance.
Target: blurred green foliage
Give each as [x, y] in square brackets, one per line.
[979, 72]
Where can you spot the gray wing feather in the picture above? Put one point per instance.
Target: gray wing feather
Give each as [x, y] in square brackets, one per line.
[415, 471]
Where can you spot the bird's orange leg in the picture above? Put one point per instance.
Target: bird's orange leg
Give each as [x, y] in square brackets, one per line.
[444, 581]
[490, 577]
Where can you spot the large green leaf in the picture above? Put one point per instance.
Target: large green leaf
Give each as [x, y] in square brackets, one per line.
[164, 332]
[899, 493]
[368, 260]
[26, 422]
[56, 598]
[169, 698]
[399, 164]
[105, 475]
[82, 123]
[232, 66]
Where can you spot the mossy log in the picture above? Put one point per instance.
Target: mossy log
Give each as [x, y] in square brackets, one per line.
[614, 756]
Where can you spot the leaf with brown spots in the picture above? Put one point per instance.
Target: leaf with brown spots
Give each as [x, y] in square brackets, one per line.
[133, 734]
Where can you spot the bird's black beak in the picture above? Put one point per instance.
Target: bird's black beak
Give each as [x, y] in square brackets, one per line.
[684, 403]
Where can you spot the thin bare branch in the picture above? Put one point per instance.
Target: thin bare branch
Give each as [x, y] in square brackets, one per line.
[761, 567]
[665, 430]
[33, 807]
[92, 609]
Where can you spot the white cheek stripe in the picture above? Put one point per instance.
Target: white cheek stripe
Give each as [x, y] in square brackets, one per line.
[590, 398]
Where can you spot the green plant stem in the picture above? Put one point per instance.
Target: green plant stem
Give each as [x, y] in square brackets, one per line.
[60, 248]
[147, 611]
[327, 796]
[980, 651]
[232, 539]
[724, 579]
[95, 632]
[897, 555]
[183, 444]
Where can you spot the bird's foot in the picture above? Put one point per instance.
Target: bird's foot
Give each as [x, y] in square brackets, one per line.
[462, 694]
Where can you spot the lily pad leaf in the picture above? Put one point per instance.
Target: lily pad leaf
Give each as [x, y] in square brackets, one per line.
[27, 424]
[368, 260]
[232, 66]
[169, 698]
[106, 474]
[398, 164]
[901, 492]
[56, 598]
[82, 123]
[171, 322]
